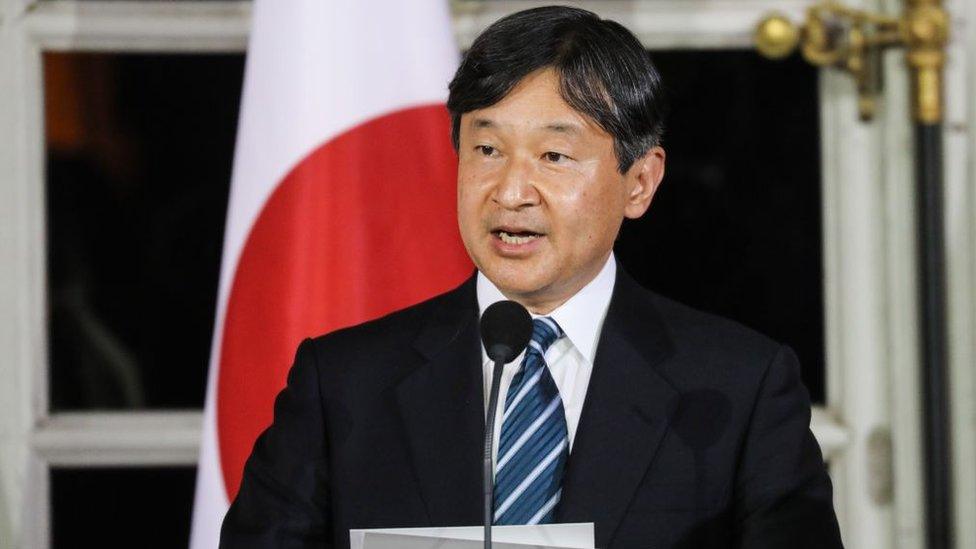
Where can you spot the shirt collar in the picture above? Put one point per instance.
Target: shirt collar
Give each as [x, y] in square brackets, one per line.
[581, 316]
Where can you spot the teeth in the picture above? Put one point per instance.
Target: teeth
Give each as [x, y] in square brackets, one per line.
[515, 239]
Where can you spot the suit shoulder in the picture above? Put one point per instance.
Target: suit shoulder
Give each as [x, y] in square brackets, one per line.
[390, 336]
[692, 322]
[707, 338]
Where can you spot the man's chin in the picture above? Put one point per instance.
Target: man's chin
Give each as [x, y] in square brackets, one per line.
[527, 288]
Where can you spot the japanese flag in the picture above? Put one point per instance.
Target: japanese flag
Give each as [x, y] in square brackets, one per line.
[342, 204]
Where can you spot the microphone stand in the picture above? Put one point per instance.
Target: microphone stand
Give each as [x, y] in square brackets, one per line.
[489, 470]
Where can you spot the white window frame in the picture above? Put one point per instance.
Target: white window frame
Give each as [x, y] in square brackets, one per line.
[32, 439]
[869, 428]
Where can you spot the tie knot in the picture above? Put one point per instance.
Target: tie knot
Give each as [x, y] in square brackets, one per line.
[544, 332]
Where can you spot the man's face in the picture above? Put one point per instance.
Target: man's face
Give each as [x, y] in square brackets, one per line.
[540, 199]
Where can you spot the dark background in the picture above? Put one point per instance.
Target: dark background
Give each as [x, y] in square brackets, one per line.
[735, 228]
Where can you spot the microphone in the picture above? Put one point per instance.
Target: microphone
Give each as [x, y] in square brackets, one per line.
[506, 328]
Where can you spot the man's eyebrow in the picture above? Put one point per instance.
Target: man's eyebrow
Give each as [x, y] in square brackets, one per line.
[479, 123]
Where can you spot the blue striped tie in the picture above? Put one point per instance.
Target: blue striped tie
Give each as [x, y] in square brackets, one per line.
[533, 445]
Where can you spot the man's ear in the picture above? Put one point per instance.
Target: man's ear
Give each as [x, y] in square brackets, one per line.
[642, 180]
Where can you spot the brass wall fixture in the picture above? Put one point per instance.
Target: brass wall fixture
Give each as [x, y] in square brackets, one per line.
[834, 35]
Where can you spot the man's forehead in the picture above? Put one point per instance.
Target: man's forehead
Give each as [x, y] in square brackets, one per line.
[566, 127]
[534, 103]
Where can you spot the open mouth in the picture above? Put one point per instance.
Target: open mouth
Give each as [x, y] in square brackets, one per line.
[511, 237]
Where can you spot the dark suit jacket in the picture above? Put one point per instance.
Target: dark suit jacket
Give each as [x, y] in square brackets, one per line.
[694, 433]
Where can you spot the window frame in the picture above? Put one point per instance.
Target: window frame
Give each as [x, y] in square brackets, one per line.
[872, 407]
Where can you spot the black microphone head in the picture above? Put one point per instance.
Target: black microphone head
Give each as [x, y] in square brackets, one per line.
[506, 328]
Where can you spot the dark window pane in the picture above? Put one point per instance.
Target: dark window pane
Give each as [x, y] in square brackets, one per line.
[124, 508]
[139, 151]
[735, 229]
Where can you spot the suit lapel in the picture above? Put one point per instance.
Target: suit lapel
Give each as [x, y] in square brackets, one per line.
[627, 411]
[442, 408]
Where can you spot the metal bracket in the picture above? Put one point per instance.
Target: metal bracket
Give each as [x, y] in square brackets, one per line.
[834, 35]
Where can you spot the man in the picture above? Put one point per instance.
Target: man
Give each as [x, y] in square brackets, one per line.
[664, 426]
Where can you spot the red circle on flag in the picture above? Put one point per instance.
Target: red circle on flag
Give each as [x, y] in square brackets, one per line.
[366, 224]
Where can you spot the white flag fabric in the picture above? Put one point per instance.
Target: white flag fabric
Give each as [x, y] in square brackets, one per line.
[342, 203]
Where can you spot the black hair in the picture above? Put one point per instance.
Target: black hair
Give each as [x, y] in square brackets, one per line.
[604, 73]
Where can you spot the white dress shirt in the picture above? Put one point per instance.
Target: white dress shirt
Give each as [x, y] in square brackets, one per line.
[570, 358]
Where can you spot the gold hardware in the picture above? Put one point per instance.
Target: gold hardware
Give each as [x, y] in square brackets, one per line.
[776, 36]
[926, 34]
[836, 36]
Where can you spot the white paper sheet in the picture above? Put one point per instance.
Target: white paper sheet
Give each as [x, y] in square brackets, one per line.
[569, 536]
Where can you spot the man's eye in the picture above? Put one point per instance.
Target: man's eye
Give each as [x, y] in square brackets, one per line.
[486, 150]
[554, 156]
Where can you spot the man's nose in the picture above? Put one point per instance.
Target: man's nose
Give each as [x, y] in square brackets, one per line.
[516, 188]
